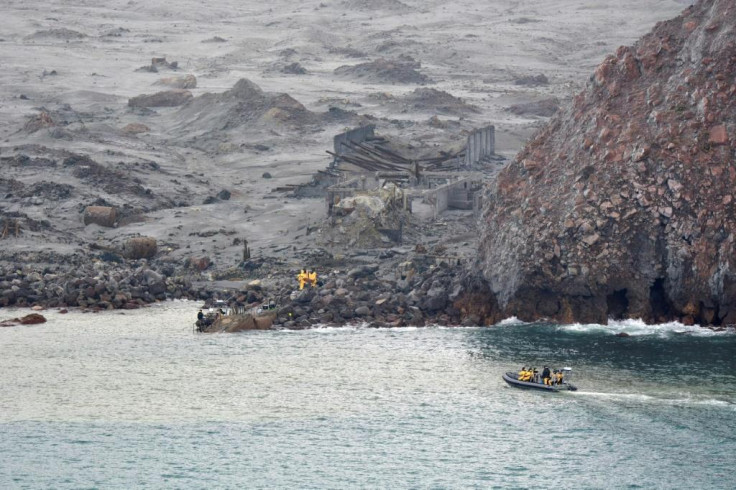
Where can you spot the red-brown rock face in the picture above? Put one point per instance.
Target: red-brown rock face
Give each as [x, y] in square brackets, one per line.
[623, 205]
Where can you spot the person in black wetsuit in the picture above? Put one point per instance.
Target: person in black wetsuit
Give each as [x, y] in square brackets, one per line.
[546, 375]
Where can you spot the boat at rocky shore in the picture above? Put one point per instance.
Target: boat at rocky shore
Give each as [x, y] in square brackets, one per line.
[513, 380]
[230, 320]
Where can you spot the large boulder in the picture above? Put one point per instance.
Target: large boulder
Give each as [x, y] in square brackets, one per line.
[140, 248]
[100, 215]
[622, 205]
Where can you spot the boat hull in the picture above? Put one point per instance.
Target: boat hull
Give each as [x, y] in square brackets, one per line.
[511, 379]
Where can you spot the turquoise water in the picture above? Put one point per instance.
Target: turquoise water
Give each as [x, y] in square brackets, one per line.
[136, 400]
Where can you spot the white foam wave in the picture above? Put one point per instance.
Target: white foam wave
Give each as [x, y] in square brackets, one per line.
[510, 321]
[636, 328]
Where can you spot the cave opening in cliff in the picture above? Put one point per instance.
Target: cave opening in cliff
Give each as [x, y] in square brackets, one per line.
[618, 304]
[659, 302]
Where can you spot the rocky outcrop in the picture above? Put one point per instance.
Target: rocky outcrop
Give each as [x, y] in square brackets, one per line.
[622, 205]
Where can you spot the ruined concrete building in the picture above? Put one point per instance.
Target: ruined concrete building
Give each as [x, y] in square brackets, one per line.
[428, 186]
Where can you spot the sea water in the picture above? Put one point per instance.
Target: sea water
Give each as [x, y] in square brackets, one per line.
[136, 399]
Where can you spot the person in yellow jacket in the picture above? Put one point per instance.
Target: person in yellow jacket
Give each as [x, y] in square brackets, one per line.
[522, 374]
[312, 277]
[302, 277]
[559, 377]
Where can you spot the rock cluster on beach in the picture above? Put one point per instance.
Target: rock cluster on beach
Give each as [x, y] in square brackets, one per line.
[361, 296]
[420, 293]
[622, 206]
[92, 284]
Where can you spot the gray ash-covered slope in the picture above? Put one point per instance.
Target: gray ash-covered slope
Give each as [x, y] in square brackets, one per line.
[245, 111]
[622, 206]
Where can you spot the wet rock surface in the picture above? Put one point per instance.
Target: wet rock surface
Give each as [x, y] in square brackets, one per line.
[622, 205]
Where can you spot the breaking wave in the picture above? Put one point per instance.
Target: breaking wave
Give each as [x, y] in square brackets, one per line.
[637, 328]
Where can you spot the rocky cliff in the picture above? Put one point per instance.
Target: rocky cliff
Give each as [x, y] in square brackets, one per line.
[622, 206]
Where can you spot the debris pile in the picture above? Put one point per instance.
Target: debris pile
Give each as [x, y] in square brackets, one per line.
[374, 156]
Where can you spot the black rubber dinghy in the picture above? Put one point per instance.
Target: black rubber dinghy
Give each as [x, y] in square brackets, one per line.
[512, 379]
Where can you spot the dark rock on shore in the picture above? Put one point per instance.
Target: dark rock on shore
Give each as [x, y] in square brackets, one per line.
[32, 319]
[82, 281]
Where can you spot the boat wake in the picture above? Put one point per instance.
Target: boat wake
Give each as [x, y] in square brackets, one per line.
[663, 400]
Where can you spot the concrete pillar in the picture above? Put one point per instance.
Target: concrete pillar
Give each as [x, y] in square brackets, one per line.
[471, 145]
[478, 145]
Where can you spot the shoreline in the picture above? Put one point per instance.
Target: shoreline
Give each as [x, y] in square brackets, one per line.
[342, 296]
